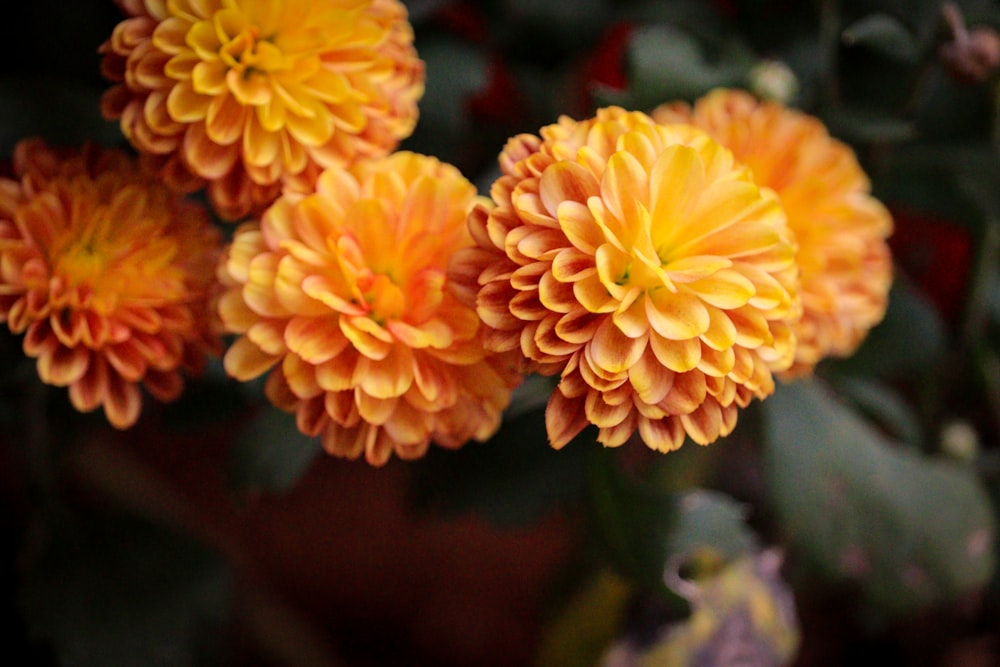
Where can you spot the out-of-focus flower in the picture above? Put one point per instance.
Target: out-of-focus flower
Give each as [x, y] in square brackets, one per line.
[254, 96]
[743, 614]
[346, 290]
[642, 264]
[840, 228]
[970, 56]
[959, 440]
[773, 80]
[108, 275]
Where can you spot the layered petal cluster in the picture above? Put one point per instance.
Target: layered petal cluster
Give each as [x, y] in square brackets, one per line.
[643, 265]
[345, 292]
[109, 276]
[250, 96]
[840, 228]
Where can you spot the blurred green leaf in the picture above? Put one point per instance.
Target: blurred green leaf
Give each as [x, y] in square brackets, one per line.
[512, 479]
[578, 19]
[643, 526]
[910, 338]
[270, 454]
[910, 531]
[868, 126]
[455, 70]
[666, 63]
[885, 35]
[118, 591]
[883, 404]
[588, 622]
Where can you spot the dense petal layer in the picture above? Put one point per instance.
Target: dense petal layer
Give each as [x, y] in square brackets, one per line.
[255, 96]
[108, 275]
[643, 264]
[348, 288]
[841, 230]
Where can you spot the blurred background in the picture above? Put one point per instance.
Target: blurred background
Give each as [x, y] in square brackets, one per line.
[850, 517]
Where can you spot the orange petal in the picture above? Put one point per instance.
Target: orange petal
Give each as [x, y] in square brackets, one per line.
[704, 425]
[650, 378]
[122, 402]
[374, 410]
[316, 340]
[566, 181]
[387, 377]
[64, 366]
[564, 419]
[224, 119]
[612, 350]
[205, 157]
[245, 361]
[662, 435]
[301, 377]
[89, 391]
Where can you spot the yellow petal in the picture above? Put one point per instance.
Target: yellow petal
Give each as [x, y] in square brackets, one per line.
[225, 119]
[676, 316]
[677, 355]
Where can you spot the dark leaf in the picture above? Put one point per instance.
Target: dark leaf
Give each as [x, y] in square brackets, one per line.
[270, 454]
[911, 531]
[884, 34]
[117, 591]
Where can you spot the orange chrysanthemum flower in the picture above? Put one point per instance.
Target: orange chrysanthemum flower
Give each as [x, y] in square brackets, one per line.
[108, 274]
[346, 290]
[643, 265]
[251, 96]
[840, 228]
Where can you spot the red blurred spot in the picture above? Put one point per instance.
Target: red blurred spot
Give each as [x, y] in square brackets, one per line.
[462, 19]
[937, 254]
[500, 102]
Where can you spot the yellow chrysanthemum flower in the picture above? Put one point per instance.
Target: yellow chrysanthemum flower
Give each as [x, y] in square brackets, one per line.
[108, 275]
[643, 265]
[840, 228]
[346, 290]
[251, 95]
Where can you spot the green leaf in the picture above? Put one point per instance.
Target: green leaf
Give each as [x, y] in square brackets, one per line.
[666, 63]
[118, 591]
[910, 531]
[884, 405]
[910, 339]
[270, 454]
[868, 126]
[513, 478]
[587, 624]
[885, 35]
[455, 71]
[643, 526]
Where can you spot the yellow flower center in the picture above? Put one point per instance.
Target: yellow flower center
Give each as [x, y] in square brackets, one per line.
[107, 254]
